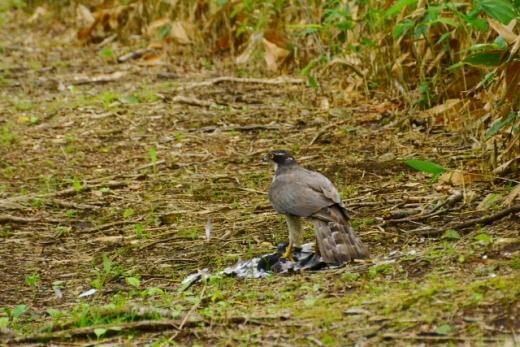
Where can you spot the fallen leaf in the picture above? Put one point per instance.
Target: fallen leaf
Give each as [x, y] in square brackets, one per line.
[513, 195]
[180, 33]
[504, 31]
[274, 55]
[109, 239]
[489, 201]
[250, 49]
[152, 59]
[459, 178]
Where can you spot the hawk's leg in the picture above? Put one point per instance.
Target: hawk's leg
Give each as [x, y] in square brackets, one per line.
[294, 225]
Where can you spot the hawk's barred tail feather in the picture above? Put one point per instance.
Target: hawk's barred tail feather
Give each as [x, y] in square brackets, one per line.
[337, 241]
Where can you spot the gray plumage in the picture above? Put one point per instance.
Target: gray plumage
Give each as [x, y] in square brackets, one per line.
[298, 192]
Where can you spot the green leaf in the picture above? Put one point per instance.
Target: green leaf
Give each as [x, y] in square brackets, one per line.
[100, 332]
[165, 31]
[76, 184]
[133, 281]
[54, 313]
[451, 235]
[129, 212]
[152, 153]
[402, 28]
[107, 264]
[501, 10]
[107, 53]
[4, 322]
[444, 329]
[484, 238]
[488, 59]
[310, 301]
[500, 124]
[425, 166]
[18, 311]
[398, 7]
[312, 82]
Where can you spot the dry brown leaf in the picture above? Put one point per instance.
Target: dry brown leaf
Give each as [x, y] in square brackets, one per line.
[109, 239]
[274, 55]
[156, 24]
[181, 32]
[516, 46]
[152, 59]
[248, 52]
[84, 16]
[458, 178]
[513, 195]
[503, 30]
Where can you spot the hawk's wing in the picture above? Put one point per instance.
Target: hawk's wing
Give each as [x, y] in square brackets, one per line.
[301, 192]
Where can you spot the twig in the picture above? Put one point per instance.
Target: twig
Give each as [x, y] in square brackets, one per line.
[438, 338]
[482, 220]
[108, 226]
[7, 218]
[190, 100]
[117, 75]
[488, 219]
[436, 210]
[134, 55]
[218, 80]
[65, 192]
[240, 128]
[156, 324]
[189, 313]
[324, 130]
[70, 204]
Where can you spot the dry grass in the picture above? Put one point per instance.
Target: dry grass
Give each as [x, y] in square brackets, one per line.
[116, 180]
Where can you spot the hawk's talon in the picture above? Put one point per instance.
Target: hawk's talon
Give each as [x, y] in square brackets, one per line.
[288, 254]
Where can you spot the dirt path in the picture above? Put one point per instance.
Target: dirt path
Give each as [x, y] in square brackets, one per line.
[109, 185]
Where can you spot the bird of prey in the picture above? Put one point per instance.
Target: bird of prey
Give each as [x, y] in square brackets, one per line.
[297, 192]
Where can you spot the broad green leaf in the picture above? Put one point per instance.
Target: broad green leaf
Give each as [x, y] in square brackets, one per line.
[76, 184]
[425, 166]
[4, 322]
[127, 213]
[398, 7]
[133, 281]
[444, 329]
[100, 332]
[501, 10]
[484, 238]
[451, 235]
[312, 82]
[165, 31]
[19, 310]
[500, 124]
[54, 313]
[488, 59]
[448, 21]
[402, 28]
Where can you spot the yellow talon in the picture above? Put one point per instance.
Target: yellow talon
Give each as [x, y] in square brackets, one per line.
[288, 252]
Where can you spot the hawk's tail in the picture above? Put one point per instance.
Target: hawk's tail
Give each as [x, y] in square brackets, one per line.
[336, 239]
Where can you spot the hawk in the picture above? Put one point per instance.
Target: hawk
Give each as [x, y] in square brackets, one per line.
[300, 193]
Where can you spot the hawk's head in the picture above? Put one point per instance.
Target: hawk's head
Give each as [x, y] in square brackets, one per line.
[281, 158]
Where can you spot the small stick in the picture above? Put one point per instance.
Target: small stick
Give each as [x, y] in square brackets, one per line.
[488, 219]
[482, 220]
[270, 81]
[189, 100]
[187, 316]
[157, 324]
